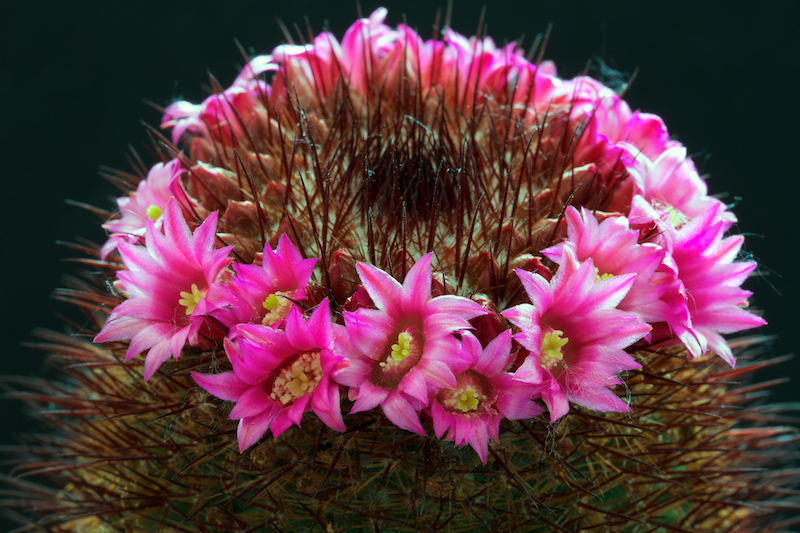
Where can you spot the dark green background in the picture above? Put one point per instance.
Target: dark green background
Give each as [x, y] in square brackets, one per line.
[73, 77]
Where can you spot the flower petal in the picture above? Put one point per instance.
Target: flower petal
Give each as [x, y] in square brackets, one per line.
[400, 412]
[225, 386]
[386, 292]
[253, 428]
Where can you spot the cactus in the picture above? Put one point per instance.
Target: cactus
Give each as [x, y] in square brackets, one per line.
[385, 258]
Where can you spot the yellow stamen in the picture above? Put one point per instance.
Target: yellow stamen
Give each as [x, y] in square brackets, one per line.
[191, 299]
[551, 353]
[298, 379]
[153, 211]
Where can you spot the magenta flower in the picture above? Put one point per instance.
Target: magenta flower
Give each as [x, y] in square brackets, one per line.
[319, 61]
[146, 203]
[614, 249]
[222, 116]
[166, 282]
[668, 185]
[373, 56]
[324, 61]
[366, 41]
[576, 336]
[263, 294]
[279, 375]
[405, 349]
[484, 393]
[608, 115]
[712, 283]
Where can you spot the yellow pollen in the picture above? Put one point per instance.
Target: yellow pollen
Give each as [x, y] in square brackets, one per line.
[277, 307]
[191, 299]
[551, 353]
[468, 400]
[600, 277]
[298, 379]
[153, 211]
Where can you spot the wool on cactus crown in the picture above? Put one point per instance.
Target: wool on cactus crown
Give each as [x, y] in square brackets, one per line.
[339, 260]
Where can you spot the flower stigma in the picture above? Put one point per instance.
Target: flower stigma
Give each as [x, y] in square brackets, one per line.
[676, 217]
[153, 212]
[469, 395]
[468, 400]
[277, 306]
[400, 357]
[298, 379]
[191, 299]
[402, 347]
[600, 277]
[551, 353]
[400, 350]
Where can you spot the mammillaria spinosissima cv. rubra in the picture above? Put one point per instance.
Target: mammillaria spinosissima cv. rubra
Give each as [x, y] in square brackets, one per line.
[394, 284]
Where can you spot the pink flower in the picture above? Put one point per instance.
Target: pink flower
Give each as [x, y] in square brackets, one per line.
[468, 71]
[606, 114]
[405, 349]
[712, 283]
[373, 56]
[309, 72]
[279, 375]
[485, 393]
[166, 282]
[263, 294]
[364, 45]
[614, 249]
[576, 336]
[668, 185]
[221, 115]
[146, 203]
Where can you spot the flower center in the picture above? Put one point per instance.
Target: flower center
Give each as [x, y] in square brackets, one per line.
[277, 306]
[400, 350]
[298, 379]
[153, 212]
[676, 217]
[469, 395]
[191, 299]
[399, 358]
[551, 353]
[600, 277]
